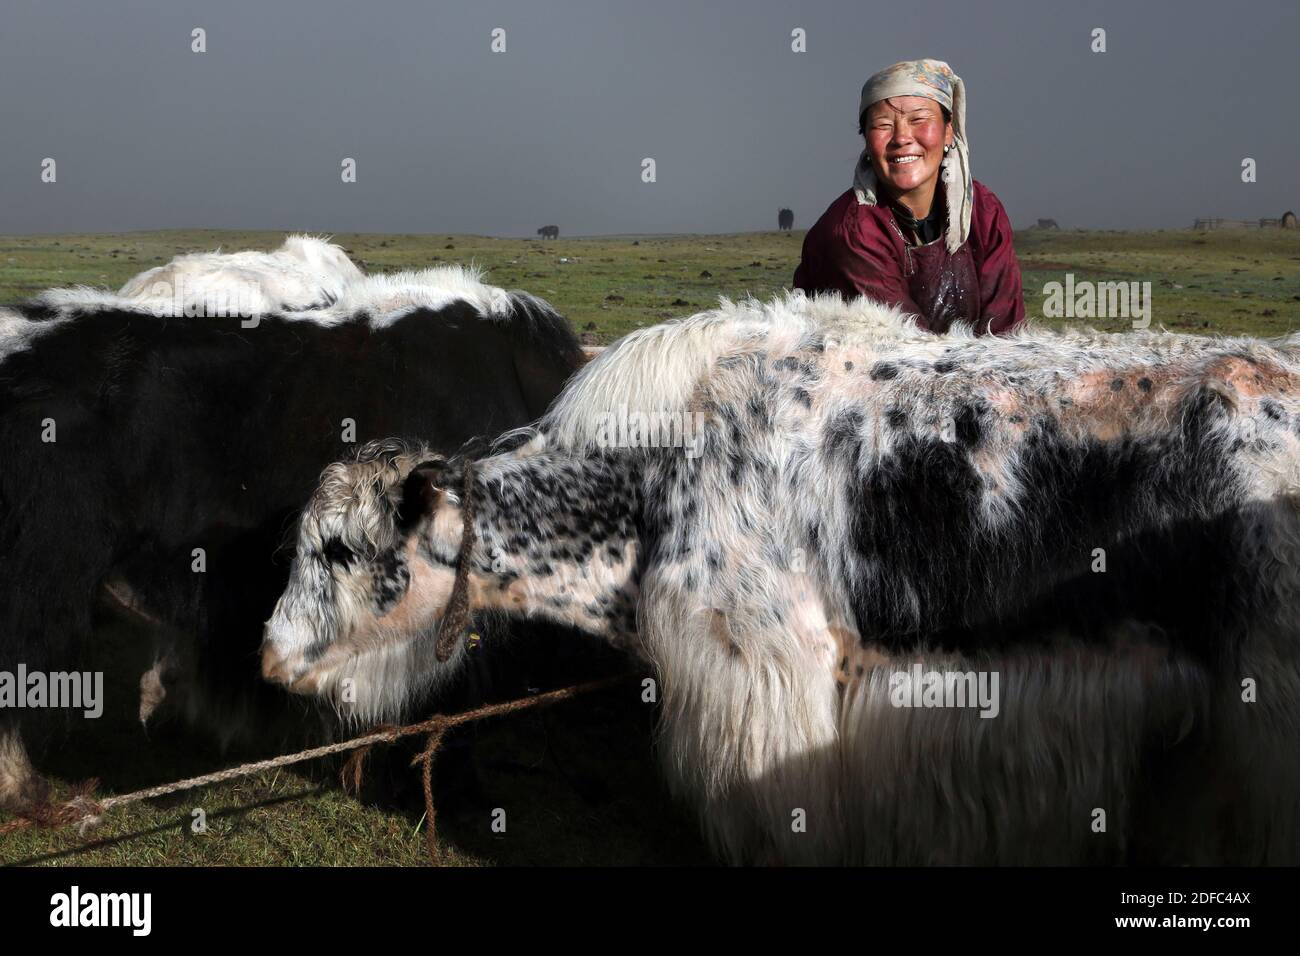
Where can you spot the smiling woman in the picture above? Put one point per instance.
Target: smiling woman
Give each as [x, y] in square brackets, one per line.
[882, 237]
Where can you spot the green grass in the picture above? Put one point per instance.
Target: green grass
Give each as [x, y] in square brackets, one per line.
[578, 782]
[1231, 281]
[1236, 282]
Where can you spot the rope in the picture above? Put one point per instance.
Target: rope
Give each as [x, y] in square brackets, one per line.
[455, 618]
[85, 812]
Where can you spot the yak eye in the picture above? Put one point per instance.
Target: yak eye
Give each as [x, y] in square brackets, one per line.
[336, 552]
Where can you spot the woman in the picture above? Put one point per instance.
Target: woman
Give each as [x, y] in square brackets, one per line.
[943, 254]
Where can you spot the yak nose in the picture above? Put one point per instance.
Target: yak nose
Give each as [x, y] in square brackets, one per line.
[274, 667]
[288, 672]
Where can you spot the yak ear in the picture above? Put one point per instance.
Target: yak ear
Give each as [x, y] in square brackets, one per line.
[420, 492]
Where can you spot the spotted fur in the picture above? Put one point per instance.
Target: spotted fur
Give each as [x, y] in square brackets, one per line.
[867, 495]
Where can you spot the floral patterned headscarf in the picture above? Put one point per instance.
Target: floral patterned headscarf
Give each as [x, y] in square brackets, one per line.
[934, 80]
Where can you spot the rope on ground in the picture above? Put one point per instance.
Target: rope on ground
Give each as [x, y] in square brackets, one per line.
[84, 812]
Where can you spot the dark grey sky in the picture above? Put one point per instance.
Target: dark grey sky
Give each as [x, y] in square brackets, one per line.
[450, 137]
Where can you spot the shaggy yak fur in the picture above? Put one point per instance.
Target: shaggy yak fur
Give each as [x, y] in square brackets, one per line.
[130, 436]
[1108, 523]
[304, 273]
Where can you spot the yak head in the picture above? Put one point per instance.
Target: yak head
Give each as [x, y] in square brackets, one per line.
[364, 589]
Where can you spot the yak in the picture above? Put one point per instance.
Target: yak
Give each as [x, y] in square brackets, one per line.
[909, 599]
[305, 273]
[164, 454]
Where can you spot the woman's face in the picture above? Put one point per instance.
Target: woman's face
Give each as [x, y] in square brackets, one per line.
[905, 136]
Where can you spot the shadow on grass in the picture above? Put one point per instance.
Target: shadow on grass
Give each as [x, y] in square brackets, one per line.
[92, 845]
[573, 784]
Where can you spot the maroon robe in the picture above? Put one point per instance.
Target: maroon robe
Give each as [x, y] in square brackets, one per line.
[856, 249]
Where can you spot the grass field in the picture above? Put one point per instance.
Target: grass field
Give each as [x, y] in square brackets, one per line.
[1231, 281]
[578, 782]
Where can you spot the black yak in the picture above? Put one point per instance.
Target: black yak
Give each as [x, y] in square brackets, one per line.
[164, 455]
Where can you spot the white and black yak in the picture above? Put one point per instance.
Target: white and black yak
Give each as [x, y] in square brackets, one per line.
[133, 432]
[911, 599]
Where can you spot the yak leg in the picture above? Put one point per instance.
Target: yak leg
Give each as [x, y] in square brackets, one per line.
[748, 732]
[20, 785]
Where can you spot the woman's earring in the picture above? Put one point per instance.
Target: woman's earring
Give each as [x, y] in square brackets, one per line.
[947, 148]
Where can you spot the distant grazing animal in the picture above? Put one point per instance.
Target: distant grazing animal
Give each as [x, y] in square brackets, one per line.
[549, 232]
[785, 220]
[129, 438]
[910, 598]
